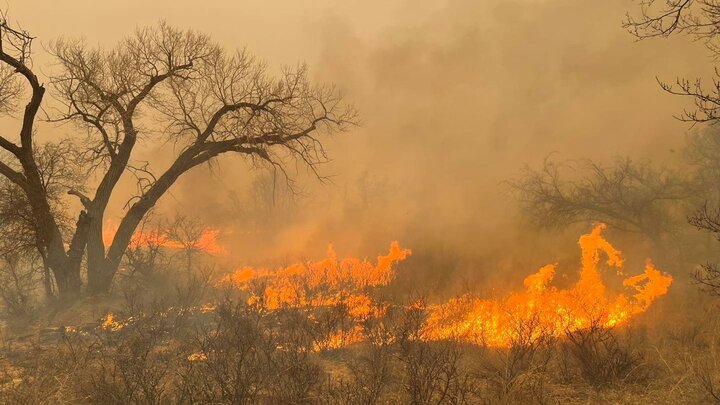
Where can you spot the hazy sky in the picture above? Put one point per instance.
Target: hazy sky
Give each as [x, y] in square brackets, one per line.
[454, 96]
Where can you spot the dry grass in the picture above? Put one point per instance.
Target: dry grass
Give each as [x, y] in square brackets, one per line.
[238, 354]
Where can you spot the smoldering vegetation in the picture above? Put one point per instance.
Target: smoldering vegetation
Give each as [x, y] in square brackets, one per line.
[242, 356]
[490, 136]
[162, 345]
[169, 332]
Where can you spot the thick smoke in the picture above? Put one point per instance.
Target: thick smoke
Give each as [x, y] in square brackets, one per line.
[454, 98]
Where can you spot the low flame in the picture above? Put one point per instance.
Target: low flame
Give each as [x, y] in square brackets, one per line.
[206, 242]
[545, 310]
[109, 323]
[327, 282]
[540, 310]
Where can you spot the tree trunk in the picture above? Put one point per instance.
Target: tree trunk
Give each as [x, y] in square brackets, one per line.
[47, 277]
[102, 265]
[100, 274]
[48, 284]
[102, 268]
[100, 277]
[67, 279]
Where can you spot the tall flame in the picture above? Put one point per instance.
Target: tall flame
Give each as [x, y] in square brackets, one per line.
[539, 310]
[547, 310]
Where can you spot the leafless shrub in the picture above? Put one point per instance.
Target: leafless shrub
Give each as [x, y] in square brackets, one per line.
[145, 255]
[297, 376]
[20, 281]
[370, 376]
[516, 374]
[637, 197]
[47, 380]
[231, 362]
[187, 232]
[297, 380]
[705, 371]
[193, 287]
[371, 368]
[327, 321]
[433, 373]
[129, 366]
[601, 356]
[250, 357]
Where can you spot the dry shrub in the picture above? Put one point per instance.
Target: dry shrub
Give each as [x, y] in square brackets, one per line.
[370, 375]
[327, 320]
[705, 370]
[48, 379]
[132, 365]
[20, 280]
[371, 369]
[433, 371]
[192, 288]
[704, 365]
[517, 374]
[295, 376]
[250, 357]
[145, 256]
[231, 361]
[602, 356]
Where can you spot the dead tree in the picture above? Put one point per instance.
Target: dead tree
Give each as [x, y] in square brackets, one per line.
[629, 196]
[187, 232]
[700, 20]
[160, 84]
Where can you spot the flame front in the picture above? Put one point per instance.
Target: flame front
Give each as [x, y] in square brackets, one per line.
[544, 310]
[539, 310]
[328, 282]
[206, 242]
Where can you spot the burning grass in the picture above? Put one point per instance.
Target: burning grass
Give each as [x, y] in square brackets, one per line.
[179, 235]
[323, 332]
[551, 311]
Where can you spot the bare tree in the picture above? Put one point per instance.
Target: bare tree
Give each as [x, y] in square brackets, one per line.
[699, 19]
[708, 275]
[187, 232]
[634, 197]
[702, 153]
[18, 228]
[145, 253]
[164, 85]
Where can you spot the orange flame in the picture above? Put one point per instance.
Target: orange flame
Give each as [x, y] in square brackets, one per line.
[207, 242]
[540, 310]
[547, 310]
[327, 282]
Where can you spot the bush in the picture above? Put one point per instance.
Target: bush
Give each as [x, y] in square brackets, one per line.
[601, 356]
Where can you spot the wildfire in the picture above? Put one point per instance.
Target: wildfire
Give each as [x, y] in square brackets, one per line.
[544, 310]
[541, 310]
[109, 323]
[328, 282]
[206, 242]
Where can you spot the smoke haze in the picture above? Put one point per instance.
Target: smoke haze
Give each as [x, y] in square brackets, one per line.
[454, 98]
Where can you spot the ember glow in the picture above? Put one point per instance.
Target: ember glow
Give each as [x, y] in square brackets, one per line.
[540, 310]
